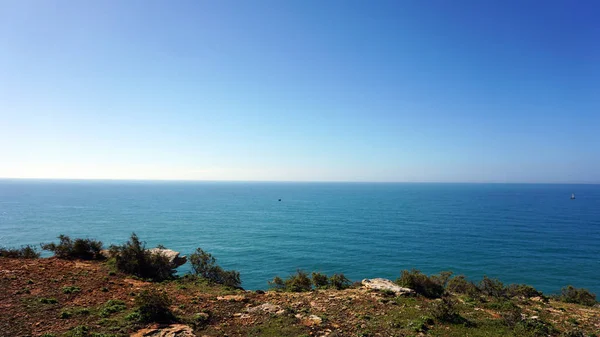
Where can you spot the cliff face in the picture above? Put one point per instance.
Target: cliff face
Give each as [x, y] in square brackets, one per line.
[74, 298]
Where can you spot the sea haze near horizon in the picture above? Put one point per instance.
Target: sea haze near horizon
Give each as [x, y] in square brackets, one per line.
[519, 233]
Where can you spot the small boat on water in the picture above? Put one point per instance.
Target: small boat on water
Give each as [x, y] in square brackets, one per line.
[572, 196]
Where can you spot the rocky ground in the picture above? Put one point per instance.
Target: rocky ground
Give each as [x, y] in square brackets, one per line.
[52, 297]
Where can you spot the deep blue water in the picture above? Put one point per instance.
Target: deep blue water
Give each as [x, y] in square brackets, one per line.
[525, 233]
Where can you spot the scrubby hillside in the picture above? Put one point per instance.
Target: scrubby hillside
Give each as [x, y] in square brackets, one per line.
[55, 297]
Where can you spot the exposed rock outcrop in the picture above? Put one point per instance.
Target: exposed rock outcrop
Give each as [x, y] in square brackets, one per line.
[174, 330]
[172, 255]
[385, 284]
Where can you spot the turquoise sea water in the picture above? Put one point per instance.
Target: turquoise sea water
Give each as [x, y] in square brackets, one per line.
[521, 233]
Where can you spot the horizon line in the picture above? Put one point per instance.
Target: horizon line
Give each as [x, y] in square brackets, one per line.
[297, 181]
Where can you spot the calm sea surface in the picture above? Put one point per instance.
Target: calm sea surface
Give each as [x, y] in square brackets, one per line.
[530, 234]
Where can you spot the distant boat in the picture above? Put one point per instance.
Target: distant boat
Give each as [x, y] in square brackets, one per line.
[572, 196]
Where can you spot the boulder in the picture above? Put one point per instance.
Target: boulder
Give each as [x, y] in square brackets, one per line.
[385, 284]
[172, 255]
[265, 307]
[173, 330]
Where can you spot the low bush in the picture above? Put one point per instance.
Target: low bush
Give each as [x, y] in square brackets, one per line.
[300, 281]
[85, 249]
[204, 265]
[522, 290]
[48, 301]
[111, 307]
[461, 285]
[570, 294]
[320, 280]
[70, 290]
[444, 310]
[25, 252]
[133, 258]
[429, 287]
[277, 284]
[510, 312]
[492, 287]
[535, 327]
[153, 306]
[339, 281]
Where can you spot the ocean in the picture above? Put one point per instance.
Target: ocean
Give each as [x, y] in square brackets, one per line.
[519, 233]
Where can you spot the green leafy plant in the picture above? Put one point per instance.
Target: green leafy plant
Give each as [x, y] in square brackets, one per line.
[339, 281]
[133, 258]
[461, 285]
[153, 306]
[85, 249]
[429, 287]
[204, 265]
[570, 294]
[70, 289]
[25, 252]
[320, 280]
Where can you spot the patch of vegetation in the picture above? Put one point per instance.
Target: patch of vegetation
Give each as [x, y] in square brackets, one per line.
[300, 281]
[153, 306]
[339, 281]
[133, 258]
[535, 327]
[320, 280]
[48, 300]
[570, 294]
[522, 290]
[68, 313]
[445, 310]
[492, 287]
[297, 282]
[85, 249]
[461, 285]
[204, 265]
[277, 327]
[111, 307]
[71, 289]
[25, 252]
[430, 287]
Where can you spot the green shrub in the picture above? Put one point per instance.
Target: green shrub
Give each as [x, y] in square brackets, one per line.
[442, 278]
[48, 300]
[570, 294]
[133, 258]
[70, 290]
[153, 306]
[25, 252]
[461, 285]
[298, 282]
[111, 307]
[510, 312]
[85, 249]
[65, 314]
[492, 287]
[535, 327]
[277, 284]
[339, 281]
[522, 290]
[204, 265]
[444, 310]
[421, 283]
[320, 280]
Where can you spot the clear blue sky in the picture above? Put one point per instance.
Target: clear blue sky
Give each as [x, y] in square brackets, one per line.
[465, 91]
